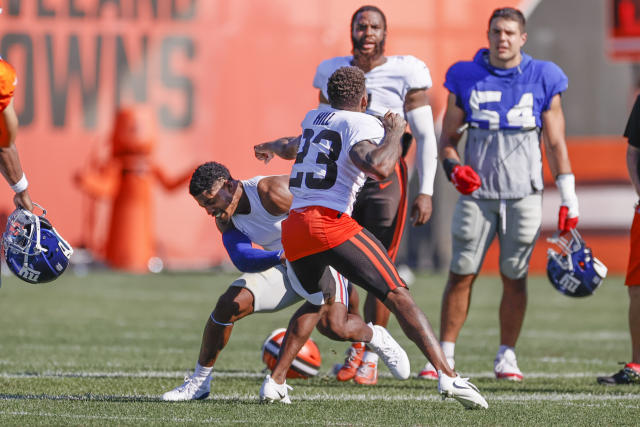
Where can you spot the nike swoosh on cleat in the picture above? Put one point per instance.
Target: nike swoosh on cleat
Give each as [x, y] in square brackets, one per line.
[464, 387]
[280, 394]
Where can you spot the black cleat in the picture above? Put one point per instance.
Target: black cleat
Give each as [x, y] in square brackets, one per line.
[630, 374]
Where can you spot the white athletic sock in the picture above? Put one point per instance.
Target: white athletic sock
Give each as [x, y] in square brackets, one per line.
[202, 371]
[370, 356]
[375, 335]
[448, 348]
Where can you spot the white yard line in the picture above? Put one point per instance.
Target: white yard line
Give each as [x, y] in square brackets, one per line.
[241, 374]
[513, 397]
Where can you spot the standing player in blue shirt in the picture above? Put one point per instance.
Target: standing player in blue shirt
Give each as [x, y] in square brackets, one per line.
[504, 99]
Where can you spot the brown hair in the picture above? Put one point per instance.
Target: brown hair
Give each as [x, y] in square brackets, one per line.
[509, 13]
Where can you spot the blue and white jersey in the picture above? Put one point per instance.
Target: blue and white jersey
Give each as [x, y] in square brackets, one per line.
[514, 98]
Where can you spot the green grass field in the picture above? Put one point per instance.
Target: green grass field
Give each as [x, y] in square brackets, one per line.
[101, 349]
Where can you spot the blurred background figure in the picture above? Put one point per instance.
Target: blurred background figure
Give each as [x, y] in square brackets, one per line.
[127, 179]
[630, 373]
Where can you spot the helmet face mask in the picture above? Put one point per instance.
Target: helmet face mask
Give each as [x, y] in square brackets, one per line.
[574, 271]
[33, 249]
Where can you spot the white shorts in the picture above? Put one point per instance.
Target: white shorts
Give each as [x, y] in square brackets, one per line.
[476, 222]
[272, 289]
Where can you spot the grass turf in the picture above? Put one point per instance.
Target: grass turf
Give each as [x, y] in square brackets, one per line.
[101, 349]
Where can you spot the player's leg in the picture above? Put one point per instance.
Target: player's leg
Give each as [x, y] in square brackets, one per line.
[473, 227]
[634, 322]
[384, 215]
[336, 321]
[385, 218]
[363, 260]
[518, 232]
[353, 356]
[265, 291]
[274, 387]
[233, 305]
[456, 299]
[630, 373]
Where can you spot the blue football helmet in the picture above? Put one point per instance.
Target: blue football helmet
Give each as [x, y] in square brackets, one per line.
[33, 249]
[574, 271]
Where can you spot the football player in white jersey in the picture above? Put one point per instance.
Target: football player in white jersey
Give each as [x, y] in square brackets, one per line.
[251, 211]
[338, 146]
[398, 83]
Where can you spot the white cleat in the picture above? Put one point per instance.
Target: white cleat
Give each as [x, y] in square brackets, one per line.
[270, 391]
[505, 366]
[192, 389]
[461, 390]
[391, 353]
[430, 373]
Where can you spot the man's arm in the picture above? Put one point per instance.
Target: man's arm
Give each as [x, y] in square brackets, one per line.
[553, 131]
[379, 161]
[10, 166]
[244, 256]
[420, 118]
[464, 178]
[286, 148]
[450, 136]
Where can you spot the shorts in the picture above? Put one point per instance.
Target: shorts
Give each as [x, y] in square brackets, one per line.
[633, 268]
[315, 229]
[381, 208]
[475, 223]
[272, 290]
[362, 259]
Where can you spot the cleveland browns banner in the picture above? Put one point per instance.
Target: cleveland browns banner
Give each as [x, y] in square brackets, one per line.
[214, 77]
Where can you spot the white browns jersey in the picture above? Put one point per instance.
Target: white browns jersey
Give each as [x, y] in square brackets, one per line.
[259, 225]
[387, 84]
[323, 173]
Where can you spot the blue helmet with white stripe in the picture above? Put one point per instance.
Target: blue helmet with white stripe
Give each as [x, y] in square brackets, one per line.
[574, 271]
[33, 249]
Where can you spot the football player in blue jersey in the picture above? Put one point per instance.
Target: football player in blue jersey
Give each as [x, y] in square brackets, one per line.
[505, 100]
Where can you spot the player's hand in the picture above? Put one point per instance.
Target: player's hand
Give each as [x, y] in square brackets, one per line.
[567, 218]
[23, 200]
[263, 152]
[394, 123]
[421, 209]
[465, 179]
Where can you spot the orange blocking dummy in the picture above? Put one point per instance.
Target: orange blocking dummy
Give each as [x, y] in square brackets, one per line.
[128, 179]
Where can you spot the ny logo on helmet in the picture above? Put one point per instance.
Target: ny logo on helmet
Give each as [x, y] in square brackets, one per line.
[35, 252]
[29, 274]
[569, 283]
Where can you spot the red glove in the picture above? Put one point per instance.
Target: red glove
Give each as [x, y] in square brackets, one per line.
[465, 179]
[564, 222]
